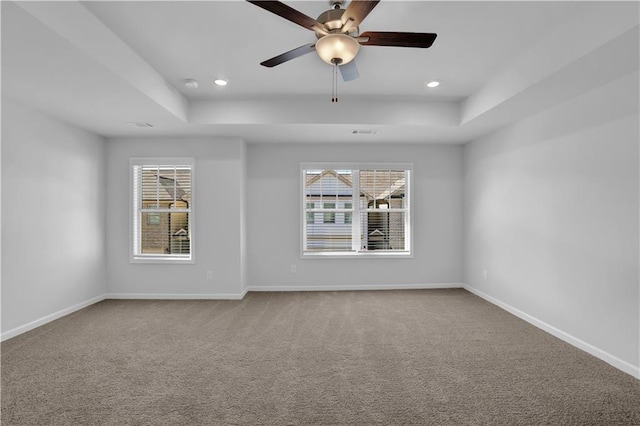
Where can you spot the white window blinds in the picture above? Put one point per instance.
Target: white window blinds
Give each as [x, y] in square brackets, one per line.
[328, 199]
[162, 195]
[362, 210]
[383, 214]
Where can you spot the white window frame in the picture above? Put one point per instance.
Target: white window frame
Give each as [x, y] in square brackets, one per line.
[355, 202]
[135, 225]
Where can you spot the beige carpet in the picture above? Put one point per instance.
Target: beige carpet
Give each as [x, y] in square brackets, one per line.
[428, 357]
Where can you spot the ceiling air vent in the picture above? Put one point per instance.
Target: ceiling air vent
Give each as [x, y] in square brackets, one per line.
[139, 124]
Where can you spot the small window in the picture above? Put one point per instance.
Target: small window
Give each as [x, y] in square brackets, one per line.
[162, 210]
[153, 218]
[364, 209]
[329, 216]
[311, 217]
[348, 214]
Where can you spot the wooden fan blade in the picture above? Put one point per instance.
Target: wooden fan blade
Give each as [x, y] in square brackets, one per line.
[357, 11]
[290, 14]
[287, 56]
[380, 38]
[349, 71]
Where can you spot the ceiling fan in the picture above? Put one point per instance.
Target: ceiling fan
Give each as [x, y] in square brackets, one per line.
[338, 37]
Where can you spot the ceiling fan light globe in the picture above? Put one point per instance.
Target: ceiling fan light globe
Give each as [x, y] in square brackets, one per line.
[337, 46]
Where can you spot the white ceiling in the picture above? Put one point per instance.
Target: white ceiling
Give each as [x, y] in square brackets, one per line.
[99, 65]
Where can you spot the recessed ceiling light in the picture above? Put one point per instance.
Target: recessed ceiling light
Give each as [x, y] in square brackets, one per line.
[191, 83]
[433, 83]
[220, 82]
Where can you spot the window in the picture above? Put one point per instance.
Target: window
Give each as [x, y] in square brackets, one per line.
[356, 210]
[162, 210]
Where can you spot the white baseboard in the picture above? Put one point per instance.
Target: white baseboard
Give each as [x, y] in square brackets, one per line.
[176, 296]
[353, 287]
[48, 318]
[574, 341]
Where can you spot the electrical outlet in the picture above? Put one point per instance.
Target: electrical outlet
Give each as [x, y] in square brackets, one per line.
[485, 275]
[293, 269]
[209, 275]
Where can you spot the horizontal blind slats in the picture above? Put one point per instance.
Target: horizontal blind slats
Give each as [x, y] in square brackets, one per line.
[328, 205]
[162, 194]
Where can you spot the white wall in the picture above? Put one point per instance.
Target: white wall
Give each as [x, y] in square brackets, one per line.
[551, 212]
[218, 227]
[53, 221]
[273, 217]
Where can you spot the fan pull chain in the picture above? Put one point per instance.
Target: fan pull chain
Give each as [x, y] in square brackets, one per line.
[334, 89]
[335, 77]
[333, 84]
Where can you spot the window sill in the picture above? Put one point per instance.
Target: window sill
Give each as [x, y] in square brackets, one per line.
[357, 255]
[163, 260]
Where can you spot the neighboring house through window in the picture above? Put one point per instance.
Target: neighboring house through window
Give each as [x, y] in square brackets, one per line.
[162, 210]
[358, 209]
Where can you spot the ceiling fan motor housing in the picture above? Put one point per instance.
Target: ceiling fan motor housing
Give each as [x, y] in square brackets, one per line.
[332, 21]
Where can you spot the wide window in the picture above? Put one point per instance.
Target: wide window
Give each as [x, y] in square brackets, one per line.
[356, 209]
[162, 210]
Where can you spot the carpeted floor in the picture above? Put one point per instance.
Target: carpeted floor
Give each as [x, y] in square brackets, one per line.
[428, 357]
